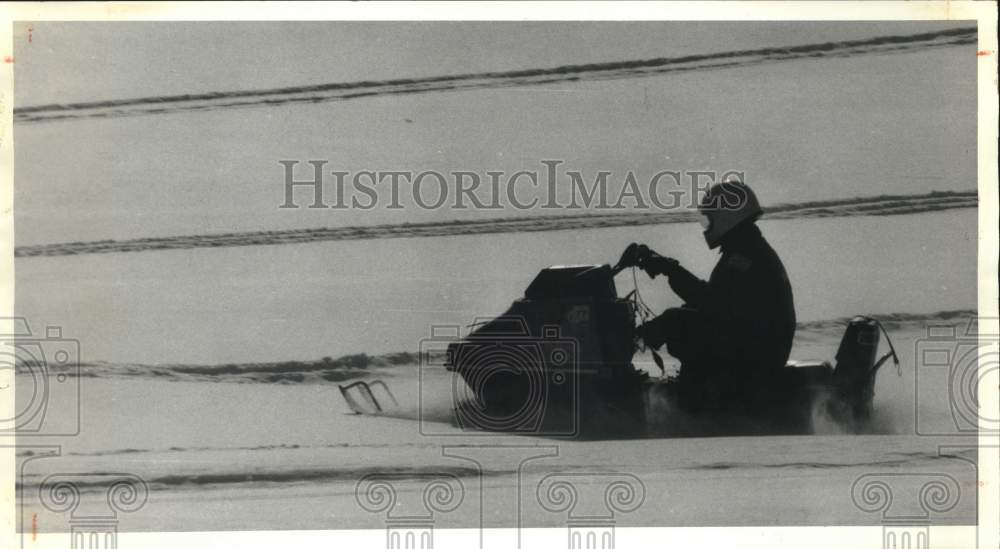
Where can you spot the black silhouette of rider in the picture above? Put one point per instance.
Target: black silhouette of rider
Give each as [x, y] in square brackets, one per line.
[733, 335]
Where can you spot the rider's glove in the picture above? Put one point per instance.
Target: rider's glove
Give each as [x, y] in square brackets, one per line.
[634, 255]
[639, 255]
[656, 264]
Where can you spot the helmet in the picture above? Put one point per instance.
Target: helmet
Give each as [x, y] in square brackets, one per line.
[727, 205]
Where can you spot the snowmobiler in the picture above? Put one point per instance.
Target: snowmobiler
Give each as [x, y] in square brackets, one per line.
[733, 335]
[558, 362]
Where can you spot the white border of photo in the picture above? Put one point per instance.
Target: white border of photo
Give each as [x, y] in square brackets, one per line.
[984, 13]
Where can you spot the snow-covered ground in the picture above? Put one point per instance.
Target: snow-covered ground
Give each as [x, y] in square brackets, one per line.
[249, 454]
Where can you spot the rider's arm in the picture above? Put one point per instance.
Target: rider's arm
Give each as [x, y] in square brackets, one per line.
[724, 303]
[693, 290]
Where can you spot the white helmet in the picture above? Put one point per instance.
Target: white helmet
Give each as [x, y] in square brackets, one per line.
[727, 205]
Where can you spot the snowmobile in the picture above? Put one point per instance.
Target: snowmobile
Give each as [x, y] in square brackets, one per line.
[559, 362]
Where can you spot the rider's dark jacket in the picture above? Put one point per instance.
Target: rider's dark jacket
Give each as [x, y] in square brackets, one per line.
[742, 319]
